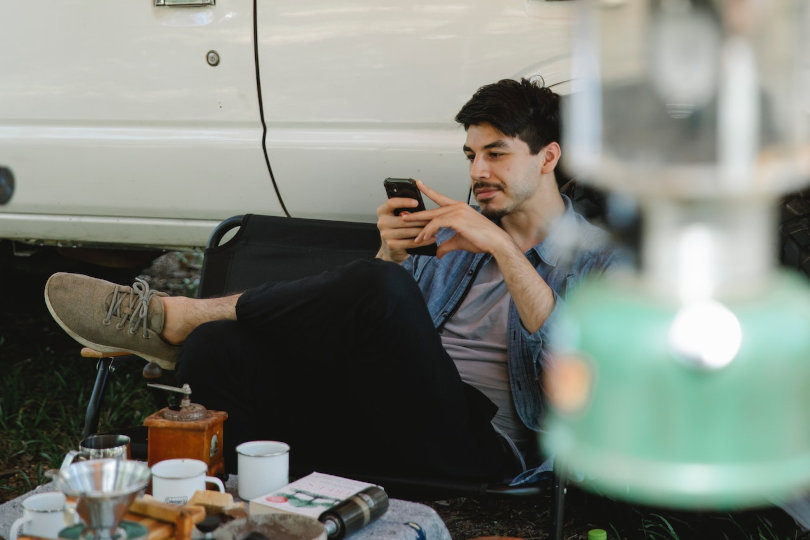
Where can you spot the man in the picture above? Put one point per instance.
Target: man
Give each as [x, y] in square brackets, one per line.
[427, 368]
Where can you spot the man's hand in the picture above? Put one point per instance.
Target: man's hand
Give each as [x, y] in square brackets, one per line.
[474, 232]
[533, 298]
[396, 234]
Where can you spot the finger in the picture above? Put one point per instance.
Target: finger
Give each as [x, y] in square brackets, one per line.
[386, 209]
[447, 246]
[423, 239]
[444, 217]
[427, 215]
[392, 230]
[419, 219]
[403, 233]
[433, 195]
[387, 222]
[396, 202]
[406, 243]
[405, 220]
[429, 231]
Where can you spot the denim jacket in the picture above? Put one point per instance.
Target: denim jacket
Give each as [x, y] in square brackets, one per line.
[572, 249]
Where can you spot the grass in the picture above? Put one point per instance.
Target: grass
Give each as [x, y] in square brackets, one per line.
[42, 408]
[45, 386]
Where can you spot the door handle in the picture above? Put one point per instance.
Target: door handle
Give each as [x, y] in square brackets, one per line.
[185, 2]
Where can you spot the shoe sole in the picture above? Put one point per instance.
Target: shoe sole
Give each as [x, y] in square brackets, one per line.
[104, 348]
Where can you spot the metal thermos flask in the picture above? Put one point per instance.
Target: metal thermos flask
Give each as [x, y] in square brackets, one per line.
[355, 512]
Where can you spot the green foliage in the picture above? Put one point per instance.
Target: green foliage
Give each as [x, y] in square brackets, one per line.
[656, 526]
[630, 522]
[42, 408]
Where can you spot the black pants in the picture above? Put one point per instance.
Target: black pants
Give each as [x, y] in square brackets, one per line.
[348, 369]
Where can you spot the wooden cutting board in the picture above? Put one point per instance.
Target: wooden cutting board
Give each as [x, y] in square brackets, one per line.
[163, 521]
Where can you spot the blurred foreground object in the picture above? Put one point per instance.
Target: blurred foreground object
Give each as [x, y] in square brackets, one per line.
[686, 385]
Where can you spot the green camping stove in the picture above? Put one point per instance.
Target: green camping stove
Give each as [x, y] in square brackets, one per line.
[687, 383]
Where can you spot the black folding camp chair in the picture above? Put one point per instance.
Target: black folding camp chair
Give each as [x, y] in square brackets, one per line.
[247, 250]
[259, 249]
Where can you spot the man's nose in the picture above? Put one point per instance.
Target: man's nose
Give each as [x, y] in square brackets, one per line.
[479, 168]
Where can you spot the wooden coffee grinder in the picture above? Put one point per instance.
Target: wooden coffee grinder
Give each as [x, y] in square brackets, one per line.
[188, 431]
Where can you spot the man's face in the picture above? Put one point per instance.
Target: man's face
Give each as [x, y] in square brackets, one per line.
[504, 173]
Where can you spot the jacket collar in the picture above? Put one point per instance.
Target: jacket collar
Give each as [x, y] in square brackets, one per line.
[559, 237]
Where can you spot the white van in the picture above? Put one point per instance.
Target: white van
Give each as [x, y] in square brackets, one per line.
[144, 123]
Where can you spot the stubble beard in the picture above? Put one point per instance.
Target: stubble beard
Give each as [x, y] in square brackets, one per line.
[495, 214]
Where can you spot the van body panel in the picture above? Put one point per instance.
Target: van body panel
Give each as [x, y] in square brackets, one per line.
[131, 124]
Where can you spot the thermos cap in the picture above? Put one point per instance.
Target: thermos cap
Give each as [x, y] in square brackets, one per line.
[597, 534]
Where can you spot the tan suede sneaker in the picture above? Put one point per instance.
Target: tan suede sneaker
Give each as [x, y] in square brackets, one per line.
[109, 317]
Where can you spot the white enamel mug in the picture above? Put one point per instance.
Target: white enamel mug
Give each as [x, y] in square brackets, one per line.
[44, 514]
[263, 466]
[175, 480]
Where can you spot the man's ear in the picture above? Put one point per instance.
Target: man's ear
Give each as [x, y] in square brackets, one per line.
[553, 152]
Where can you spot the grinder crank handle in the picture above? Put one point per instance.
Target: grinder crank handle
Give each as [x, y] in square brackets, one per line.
[185, 390]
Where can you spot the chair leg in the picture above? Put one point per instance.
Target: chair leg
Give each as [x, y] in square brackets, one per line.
[97, 396]
[558, 505]
[103, 370]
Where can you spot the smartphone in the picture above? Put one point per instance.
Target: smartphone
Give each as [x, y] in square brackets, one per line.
[406, 187]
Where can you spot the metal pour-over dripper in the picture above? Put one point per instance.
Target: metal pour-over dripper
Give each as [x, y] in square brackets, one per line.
[105, 489]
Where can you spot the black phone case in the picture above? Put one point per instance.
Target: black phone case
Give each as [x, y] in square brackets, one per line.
[406, 187]
[429, 250]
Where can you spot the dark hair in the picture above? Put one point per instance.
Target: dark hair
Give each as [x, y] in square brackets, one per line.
[520, 109]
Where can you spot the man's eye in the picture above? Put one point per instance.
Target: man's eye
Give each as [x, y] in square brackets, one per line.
[495, 155]
[470, 157]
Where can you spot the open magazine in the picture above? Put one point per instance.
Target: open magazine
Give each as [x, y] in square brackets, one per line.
[311, 495]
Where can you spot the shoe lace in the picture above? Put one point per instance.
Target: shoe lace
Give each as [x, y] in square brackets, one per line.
[137, 308]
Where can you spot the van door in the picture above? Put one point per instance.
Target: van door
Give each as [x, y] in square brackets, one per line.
[127, 122]
[358, 90]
